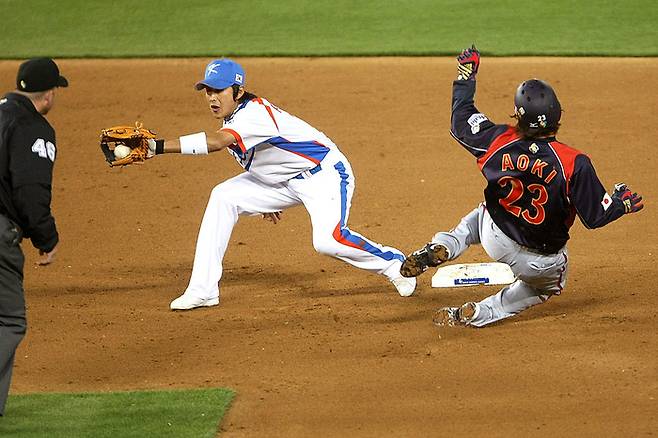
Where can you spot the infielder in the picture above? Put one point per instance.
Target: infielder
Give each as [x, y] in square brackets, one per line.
[535, 188]
[287, 162]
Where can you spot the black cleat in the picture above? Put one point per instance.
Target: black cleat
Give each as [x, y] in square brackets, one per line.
[452, 316]
[431, 255]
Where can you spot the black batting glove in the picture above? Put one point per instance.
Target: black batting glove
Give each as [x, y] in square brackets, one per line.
[469, 61]
[632, 201]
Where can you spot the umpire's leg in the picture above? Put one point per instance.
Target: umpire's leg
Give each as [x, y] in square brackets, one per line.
[12, 309]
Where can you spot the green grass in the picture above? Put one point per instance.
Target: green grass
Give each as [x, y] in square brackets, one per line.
[150, 28]
[185, 414]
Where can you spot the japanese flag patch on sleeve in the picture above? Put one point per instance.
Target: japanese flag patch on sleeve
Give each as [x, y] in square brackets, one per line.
[606, 202]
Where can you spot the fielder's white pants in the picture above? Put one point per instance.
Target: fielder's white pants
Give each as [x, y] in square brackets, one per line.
[538, 276]
[326, 195]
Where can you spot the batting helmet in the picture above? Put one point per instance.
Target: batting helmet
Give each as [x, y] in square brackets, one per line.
[536, 107]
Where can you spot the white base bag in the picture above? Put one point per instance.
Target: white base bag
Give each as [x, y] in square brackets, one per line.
[472, 274]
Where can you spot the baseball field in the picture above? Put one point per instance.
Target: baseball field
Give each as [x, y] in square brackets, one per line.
[306, 345]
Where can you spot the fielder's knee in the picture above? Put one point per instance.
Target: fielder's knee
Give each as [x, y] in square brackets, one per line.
[222, 194]
[326, 246]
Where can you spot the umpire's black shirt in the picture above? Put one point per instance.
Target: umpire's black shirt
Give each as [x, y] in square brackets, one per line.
[27, 156]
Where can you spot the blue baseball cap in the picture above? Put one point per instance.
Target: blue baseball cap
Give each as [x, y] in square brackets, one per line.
[222, 73]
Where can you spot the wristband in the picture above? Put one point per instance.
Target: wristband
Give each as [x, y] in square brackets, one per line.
[159, 147]
[194, 144]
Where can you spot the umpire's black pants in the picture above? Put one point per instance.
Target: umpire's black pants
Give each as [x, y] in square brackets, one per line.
[12, 302]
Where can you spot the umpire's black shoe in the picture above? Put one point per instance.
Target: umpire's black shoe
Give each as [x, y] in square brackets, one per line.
[432, 254]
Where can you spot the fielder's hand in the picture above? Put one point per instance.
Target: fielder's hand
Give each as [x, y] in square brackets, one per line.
[138, 143]
[469, 61]
[152, 145]
[273, 217]
[631, 200]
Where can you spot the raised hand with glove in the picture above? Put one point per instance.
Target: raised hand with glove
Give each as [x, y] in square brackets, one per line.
[469, 62]
[632, 201]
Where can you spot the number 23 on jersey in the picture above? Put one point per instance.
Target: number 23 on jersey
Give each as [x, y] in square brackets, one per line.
[539, 198]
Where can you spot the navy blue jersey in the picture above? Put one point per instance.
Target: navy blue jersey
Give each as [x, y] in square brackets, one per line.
[535, 188]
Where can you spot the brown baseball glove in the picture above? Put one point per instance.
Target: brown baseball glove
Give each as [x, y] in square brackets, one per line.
[123, 145]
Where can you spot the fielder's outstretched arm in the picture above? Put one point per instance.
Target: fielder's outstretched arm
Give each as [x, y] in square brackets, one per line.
[193, 144]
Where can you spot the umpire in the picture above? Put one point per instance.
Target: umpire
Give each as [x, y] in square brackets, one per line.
[27, 156]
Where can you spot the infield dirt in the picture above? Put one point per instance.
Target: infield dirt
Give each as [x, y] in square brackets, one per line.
[312, 346]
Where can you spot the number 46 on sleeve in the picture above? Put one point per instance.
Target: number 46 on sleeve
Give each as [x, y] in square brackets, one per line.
[44, 149]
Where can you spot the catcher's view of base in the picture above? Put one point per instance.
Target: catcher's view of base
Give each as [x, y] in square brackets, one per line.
[472, 274]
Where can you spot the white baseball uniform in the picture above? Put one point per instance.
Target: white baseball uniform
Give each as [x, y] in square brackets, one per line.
[287, 162]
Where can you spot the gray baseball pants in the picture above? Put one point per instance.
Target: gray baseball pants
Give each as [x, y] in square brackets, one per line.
[12, 303]
[539, 276]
